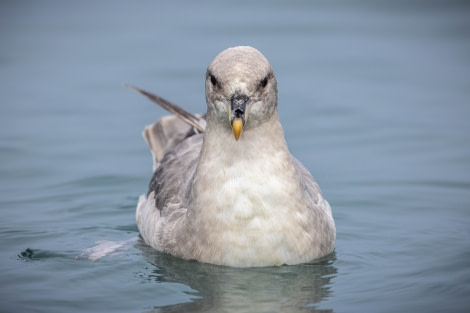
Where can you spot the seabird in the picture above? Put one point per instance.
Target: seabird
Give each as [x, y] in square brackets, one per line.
[225, 188]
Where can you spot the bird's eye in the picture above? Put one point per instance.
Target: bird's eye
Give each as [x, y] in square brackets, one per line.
[264, 82]
[213, 80]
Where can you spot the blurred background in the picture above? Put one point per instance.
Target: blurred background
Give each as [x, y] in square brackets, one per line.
[374, 97]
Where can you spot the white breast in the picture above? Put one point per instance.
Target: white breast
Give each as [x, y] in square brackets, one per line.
[256, 217]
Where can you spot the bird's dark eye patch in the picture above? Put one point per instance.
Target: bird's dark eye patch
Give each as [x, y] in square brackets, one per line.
[264, 82]
[213, 80]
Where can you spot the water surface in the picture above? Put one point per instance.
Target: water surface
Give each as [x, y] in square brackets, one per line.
[375, 101]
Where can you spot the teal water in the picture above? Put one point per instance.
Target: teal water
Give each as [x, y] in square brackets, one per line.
[375, 101]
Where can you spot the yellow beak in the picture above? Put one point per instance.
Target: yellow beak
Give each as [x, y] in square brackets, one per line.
[237, 127]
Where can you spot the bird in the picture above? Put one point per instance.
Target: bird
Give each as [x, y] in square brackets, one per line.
[225, 188]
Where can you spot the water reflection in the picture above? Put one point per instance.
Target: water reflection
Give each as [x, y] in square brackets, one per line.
[224, 289]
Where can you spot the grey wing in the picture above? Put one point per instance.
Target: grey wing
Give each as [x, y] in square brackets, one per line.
[175, 147]
[323, 217]
[166, 202]
[175, 142]
[171, 180]
[312, 188]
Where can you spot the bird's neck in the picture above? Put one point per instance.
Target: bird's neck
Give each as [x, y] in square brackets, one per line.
[234, 173]
[264, 140]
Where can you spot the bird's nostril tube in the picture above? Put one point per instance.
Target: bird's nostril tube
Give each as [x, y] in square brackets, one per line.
[238, 113]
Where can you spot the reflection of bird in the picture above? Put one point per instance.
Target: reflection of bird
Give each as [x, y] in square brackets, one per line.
[232, 195]
[212, 288]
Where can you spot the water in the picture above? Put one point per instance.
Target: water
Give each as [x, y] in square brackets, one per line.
[374, 98]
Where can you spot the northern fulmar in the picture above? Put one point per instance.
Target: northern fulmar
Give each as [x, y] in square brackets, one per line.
[225, 188]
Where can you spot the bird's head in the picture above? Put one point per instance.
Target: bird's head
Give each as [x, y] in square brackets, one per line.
[241, 89]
